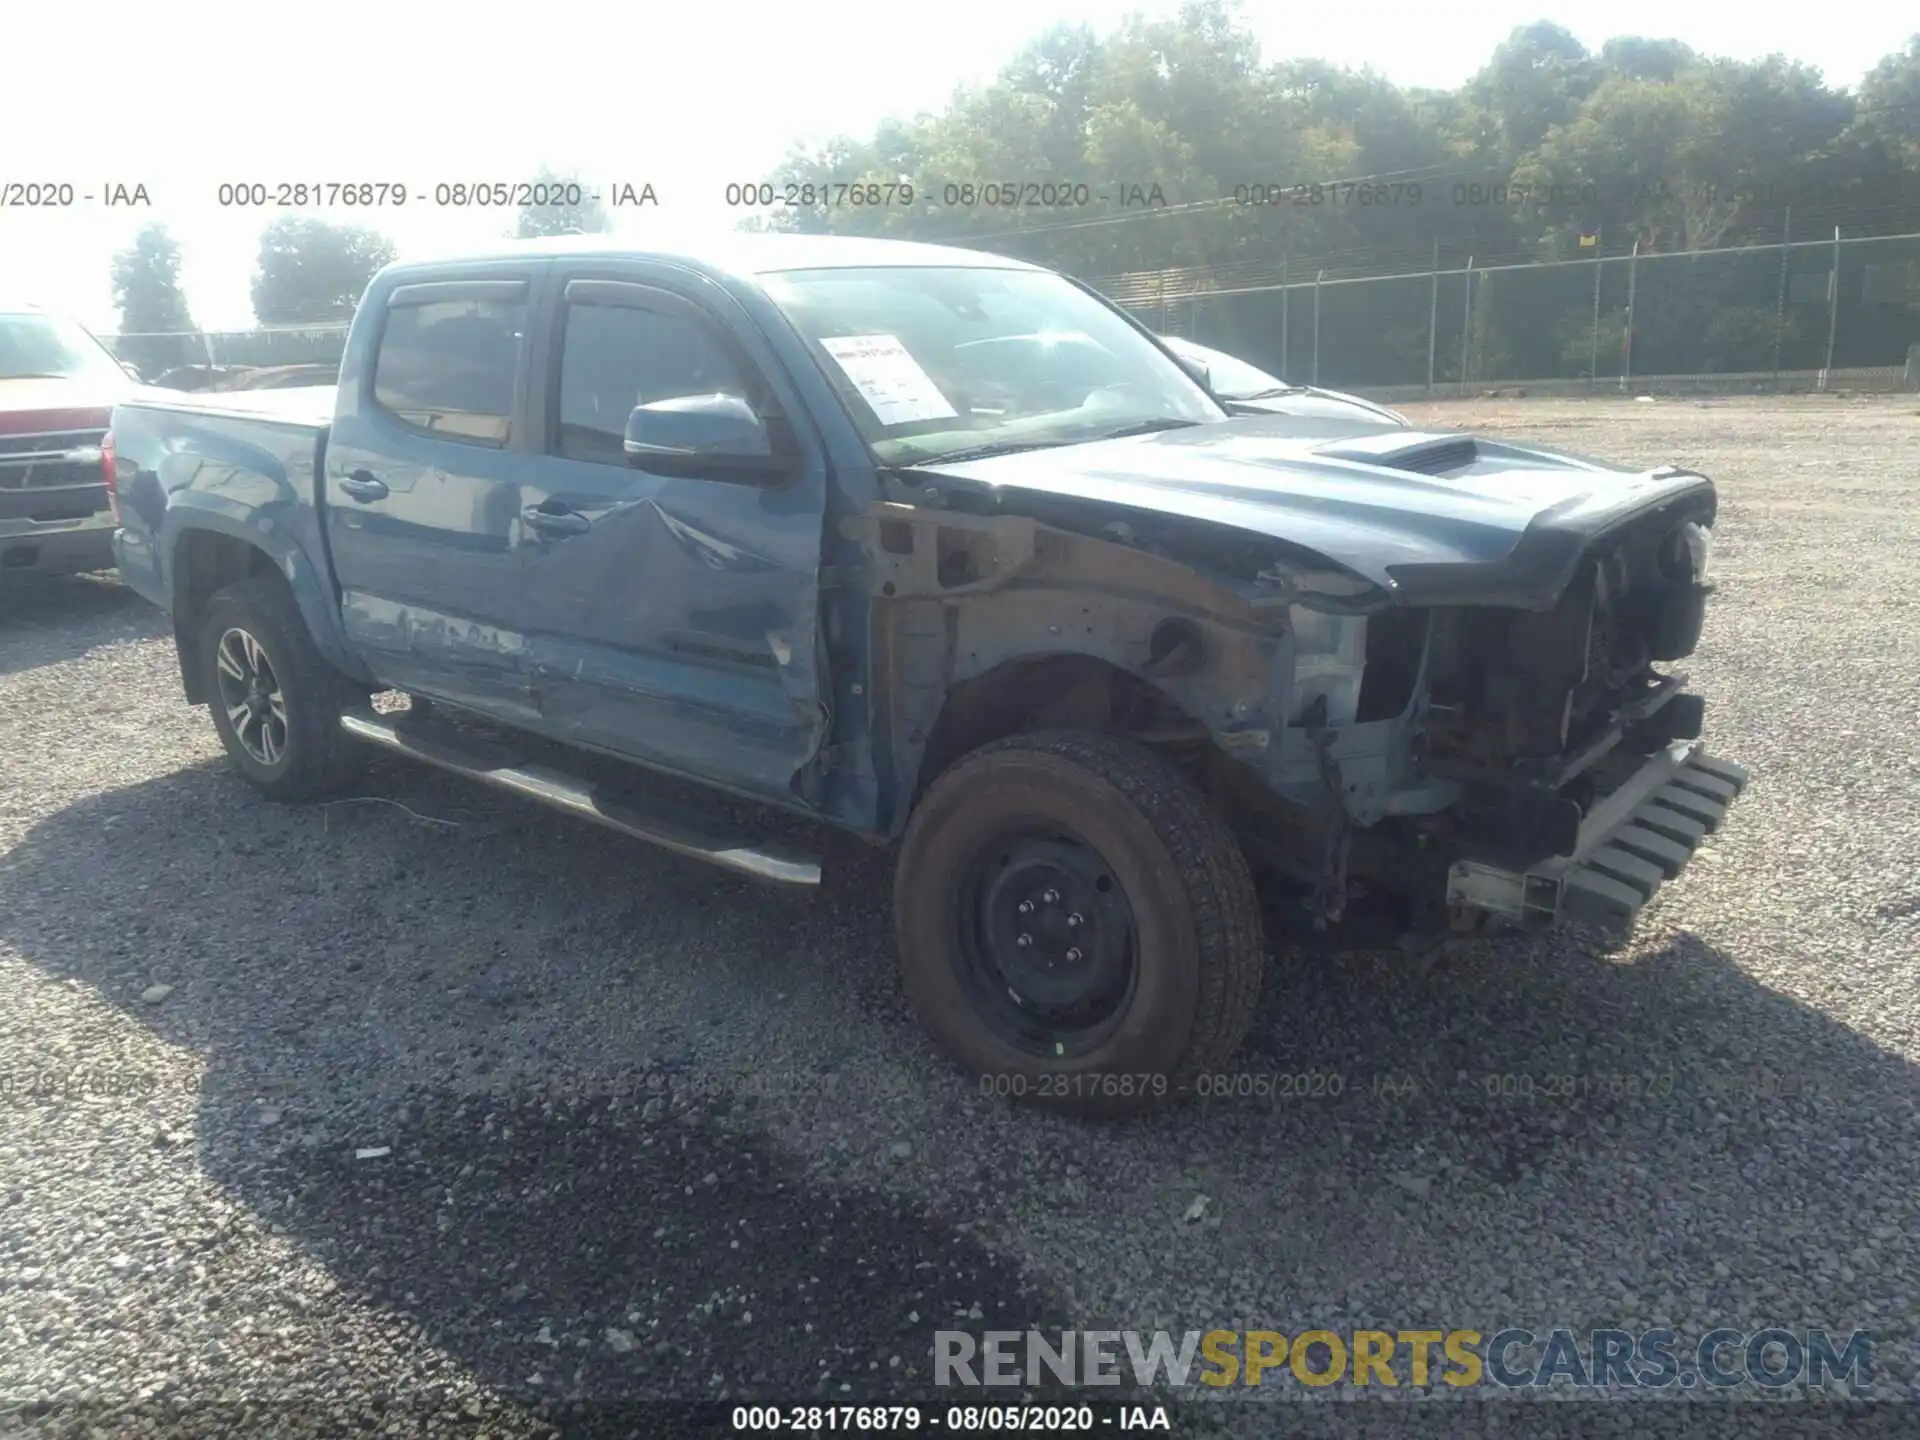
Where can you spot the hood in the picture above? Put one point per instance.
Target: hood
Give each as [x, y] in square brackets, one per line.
[66, 404]
[1404, 516]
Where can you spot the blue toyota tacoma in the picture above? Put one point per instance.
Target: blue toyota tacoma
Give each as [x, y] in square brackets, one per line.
[945, 551]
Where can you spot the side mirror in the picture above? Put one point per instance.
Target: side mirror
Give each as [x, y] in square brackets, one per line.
[718, 435]
[1197, 368]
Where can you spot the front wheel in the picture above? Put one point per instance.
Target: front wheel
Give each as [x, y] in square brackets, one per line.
[276, 702]
[1075, 925]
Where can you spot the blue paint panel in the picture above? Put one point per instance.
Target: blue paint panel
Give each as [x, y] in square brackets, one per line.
[243, 472]
[429, 570]
[680, 627]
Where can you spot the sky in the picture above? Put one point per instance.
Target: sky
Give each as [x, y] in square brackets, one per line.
[182, 97]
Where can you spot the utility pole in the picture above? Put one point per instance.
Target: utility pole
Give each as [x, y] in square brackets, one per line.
[1593, 352]
[1466, 325]
[1833, 307]
[1286, 299]
[1316, 325]
[1626, 358]
[1780, 305]
[1433, 312]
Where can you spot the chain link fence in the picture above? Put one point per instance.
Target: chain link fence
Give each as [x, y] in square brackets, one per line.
[1805, 315]
[1834, 313]
[158, 355]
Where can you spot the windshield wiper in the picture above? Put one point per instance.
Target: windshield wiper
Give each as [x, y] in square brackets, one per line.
[1271, 393]
[1016, 447]
[982, 452]
[1144, 427]
[37, 375]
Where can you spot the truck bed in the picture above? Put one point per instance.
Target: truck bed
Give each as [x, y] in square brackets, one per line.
[306, 405]
[242, 464]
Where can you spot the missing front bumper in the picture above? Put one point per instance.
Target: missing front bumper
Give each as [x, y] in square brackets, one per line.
[1631, 843]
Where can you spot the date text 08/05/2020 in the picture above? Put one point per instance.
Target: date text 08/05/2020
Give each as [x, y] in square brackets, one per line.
[1756, 1086]
[955, 1419]
[323, 194]
[962, 195]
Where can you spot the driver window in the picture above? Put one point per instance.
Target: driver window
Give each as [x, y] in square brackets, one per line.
[613, 358]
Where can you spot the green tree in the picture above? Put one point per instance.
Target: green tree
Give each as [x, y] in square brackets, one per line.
[1636, 58]
[311, 272]
[1890, 102]
[152, 306]
[1618, 167]
[586, 217]
[1548, 145]
[1537, 79]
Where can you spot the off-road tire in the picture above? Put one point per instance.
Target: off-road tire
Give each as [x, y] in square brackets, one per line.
[317, 757]
[1199, 955]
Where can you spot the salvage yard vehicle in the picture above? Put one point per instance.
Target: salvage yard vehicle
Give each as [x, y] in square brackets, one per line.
[817, 522]
[58, 386]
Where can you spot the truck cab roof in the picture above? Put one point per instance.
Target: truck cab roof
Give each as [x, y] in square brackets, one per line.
[739, 254]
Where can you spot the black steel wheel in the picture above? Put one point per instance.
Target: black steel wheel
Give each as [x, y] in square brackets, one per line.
[1045, 941]
[1075, 924]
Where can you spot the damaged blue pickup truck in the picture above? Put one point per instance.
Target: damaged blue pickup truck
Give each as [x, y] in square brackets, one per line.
[945, 551]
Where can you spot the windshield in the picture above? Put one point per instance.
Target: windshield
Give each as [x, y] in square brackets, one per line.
[940, 361]
[34, 345]
[1232, 379]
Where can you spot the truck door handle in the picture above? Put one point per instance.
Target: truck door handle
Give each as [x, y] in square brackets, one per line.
[550, 518]
[363, 486]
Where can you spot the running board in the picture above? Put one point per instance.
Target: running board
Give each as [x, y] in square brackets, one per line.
[448, 749]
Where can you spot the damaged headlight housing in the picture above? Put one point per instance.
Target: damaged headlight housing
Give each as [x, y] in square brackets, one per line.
[1688, 553]
[1700, 546]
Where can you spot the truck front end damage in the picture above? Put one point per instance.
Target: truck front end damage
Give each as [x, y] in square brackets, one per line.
[1534, 763]
[1464, 728]
[1531, 764]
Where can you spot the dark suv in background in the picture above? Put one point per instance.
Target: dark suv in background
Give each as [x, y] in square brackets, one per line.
[58, 386]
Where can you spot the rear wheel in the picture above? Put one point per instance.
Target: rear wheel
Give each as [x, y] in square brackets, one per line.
[276, 702]
[1075, 925]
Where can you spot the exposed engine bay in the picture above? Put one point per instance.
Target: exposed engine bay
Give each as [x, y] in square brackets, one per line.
[1387, 656]
[1492, 732]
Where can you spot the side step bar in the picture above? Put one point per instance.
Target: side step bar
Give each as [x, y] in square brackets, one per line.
[448, 749]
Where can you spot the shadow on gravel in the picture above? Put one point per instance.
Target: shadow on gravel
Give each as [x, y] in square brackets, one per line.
[569, 1226]
[44, 621]
[528, 1013]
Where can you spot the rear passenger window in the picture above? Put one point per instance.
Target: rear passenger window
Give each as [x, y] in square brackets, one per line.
[614, 358]
[448, 367]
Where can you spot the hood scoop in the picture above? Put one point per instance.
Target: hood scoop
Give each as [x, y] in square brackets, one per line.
[1411, 454]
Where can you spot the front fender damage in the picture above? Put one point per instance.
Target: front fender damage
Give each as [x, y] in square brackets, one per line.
[1207, 619]
[957, 596]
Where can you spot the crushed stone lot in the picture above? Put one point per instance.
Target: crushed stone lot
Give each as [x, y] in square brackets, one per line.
[648, 1130]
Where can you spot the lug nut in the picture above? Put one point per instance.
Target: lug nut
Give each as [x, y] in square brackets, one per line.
[1074, 957]
[1024, 941]
[1050, 897]
[1075, 920]
[1026, 907]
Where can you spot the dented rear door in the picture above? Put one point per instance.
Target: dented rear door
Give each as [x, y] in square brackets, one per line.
[673, 620]
[422, 486]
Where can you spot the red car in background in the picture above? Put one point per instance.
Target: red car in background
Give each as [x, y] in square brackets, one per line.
[58, 386]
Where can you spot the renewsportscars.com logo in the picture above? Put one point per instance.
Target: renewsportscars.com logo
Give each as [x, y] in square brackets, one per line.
[1512, 1359]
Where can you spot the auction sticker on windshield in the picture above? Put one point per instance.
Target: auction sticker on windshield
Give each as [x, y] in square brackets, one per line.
[889, 379]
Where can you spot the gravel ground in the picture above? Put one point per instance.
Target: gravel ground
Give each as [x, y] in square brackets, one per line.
[648, 1130]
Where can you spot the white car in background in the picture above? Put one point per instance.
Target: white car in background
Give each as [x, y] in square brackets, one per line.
[1249, 389]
